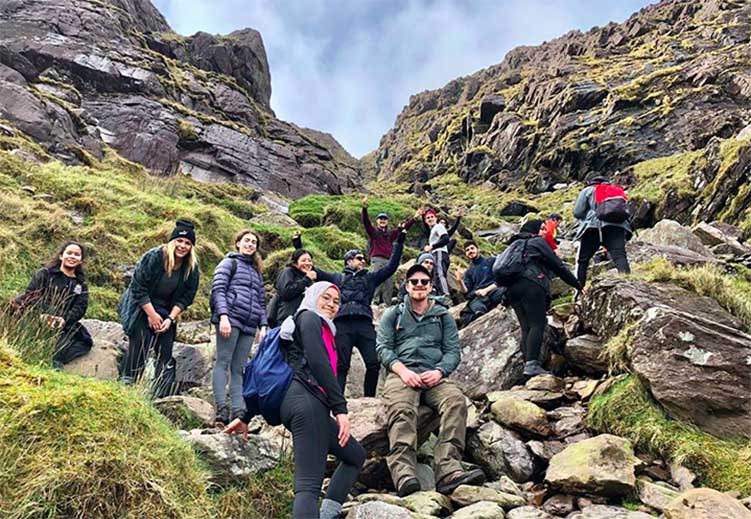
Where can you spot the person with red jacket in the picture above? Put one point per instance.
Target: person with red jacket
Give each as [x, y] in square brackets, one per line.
[550, 230]
[381, 240]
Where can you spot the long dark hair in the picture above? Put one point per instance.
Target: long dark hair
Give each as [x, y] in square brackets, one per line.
[54, 261]
[257, 258]
[299, 253]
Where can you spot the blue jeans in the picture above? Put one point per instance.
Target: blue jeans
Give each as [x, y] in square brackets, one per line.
[231, 354]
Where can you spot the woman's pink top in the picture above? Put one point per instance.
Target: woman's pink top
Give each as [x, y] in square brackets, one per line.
[330, 343]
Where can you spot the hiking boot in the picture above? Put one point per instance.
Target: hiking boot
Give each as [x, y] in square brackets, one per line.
[237, 413]
[408, 487]
[532, 368]
[449, 483]
[222, 416]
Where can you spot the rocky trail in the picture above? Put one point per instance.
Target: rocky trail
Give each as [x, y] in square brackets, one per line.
[543, 444]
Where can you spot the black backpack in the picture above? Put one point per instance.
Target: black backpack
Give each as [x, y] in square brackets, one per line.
[511, 263]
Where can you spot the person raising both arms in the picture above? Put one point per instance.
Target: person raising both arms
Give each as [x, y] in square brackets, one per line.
[58, 292]
[164, 284]
[238, 304]
[437, 245]
[380, 247]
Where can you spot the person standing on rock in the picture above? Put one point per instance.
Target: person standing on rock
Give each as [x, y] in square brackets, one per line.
[312, 397]
[164, 284]
[529, 294]
[599, 225]
[477, 281]
[238, 304]
[58, 292]
[437, 245]
[418, 343]
[380, 247]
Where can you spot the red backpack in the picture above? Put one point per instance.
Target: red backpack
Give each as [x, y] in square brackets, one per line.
[611, 204]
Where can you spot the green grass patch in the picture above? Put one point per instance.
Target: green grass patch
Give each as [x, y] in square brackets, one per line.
[627, 410]
[74, 447]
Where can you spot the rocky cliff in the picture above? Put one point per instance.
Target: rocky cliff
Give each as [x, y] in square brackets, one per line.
[664, 98]
[78, 76]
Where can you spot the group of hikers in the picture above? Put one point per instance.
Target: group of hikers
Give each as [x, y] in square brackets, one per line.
[324, 315]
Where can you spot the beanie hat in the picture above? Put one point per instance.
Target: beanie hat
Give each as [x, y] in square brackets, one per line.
[184, 229]
[425, 256]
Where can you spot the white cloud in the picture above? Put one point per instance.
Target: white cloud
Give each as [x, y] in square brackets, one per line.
[348, 67]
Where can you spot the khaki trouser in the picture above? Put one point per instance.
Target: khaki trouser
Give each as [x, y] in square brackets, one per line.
[385, 291]
[402, 404]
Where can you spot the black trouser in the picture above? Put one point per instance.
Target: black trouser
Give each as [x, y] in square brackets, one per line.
[314, 436]
[440, 273]
[530, 302]
[75, 341]
[614, 240]
[357, 331]
[140, 344]
[479, 306]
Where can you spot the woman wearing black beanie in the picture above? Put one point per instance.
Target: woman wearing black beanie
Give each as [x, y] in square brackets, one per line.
[164, 284]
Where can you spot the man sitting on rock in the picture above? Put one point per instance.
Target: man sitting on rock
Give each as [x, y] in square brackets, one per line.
[418, 343]
[482, 293]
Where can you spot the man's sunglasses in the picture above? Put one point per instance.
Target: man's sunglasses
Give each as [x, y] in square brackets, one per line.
[422, 281]
[361, 258]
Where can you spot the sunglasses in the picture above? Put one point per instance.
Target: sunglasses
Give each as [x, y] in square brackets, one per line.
[361, 258]
[422, 281]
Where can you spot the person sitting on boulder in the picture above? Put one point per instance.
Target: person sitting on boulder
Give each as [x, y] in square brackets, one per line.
[437, 245]
[477, 281]
[602, 211]
[59, 294]
[238, 310]
[529, 294]
[164, 284]
[425, 259]
[313, 396]
[418, 343]
[380, 247]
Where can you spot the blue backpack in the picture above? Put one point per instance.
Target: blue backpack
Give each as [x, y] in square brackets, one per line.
[266, 379]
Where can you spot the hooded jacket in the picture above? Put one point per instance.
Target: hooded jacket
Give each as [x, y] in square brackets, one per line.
[422, 343]
[241, 296]
[584, 211]
[57, 294]
[543, 263]
[149, 269]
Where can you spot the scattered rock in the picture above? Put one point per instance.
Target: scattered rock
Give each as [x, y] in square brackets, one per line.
[427, 502]
[545, 450]
[186, 412]
[682, 476]
[194, 363]
[500, 452]
[583, 353]
[379, 510]
[196, 332]
[669, 232]
[481, 510]
[705, 503]
[466, 495]
[521, 415]
[101, 362]
[603, 465]
[545, 383]
[544, 399]
[656, 495]
[608, 512]
[528, 512]
[559, 504]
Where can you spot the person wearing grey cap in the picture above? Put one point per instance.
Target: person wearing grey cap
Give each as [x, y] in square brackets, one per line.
[381, 238]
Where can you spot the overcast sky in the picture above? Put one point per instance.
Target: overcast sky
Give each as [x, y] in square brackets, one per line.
[348, 67]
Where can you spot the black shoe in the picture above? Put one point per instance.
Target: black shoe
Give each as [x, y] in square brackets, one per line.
[409, 487]
[450, 483]
[533, 368]
[222, 416]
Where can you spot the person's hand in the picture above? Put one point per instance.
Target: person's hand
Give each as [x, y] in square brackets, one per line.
[480, 292]
[460, 212]
[410, 378]
[52, 321]
[296, 235]
[344, 429]
[225, 328]
[166, 323]
[262, 333]
[155, 322]
[459, 274]
[418, 213]
[311, 274]
[431, 378]
[427, 248]
[237, 426]
[365, 201]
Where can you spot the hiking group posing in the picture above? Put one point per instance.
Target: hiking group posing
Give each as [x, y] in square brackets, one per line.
[319, 317]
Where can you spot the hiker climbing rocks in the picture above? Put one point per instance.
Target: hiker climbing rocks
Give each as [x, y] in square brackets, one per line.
[418, 343]
[58, 293]
[238, 310]
[603, 214]
[312, 397]
[164, 284]
[526, 269]
[437, 245]
[380, 247]
[549, 230]
[477, 281]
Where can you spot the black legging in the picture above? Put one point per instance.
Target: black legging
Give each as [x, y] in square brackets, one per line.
[614, 240]
[314, 436]
[357, 332]
[530, 302]
[140, 344]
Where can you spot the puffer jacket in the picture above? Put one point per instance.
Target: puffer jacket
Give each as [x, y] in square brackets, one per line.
[422, 343]
[241, 296]
[584, 211]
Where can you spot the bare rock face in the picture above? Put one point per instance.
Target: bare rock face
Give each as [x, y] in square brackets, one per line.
[79, 75]
[669, 232]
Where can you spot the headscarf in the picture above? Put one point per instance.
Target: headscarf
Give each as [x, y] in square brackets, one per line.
[309, 302]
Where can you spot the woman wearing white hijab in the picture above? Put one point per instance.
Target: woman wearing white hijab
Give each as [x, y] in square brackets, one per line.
[312, 397]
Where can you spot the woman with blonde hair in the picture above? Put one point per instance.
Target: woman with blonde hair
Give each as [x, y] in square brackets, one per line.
[164, 284]
[238, 309]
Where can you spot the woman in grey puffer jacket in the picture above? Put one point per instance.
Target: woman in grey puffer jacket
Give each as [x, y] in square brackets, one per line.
[238, 309]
